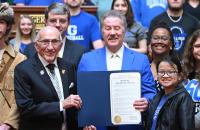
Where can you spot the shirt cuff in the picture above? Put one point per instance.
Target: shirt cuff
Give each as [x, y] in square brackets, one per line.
[61, 106]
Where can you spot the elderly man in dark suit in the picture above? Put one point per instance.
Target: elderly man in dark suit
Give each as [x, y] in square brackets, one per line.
[58, 16]
[44, 87]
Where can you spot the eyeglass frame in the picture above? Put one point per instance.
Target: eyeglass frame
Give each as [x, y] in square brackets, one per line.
[168, 73]
[47, 42]
[60, 21]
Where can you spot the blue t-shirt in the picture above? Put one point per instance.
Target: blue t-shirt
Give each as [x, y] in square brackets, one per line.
[83, 29]
[146, 10]
[37, 2]
[22, 47]
[156, 113]
[193, 88]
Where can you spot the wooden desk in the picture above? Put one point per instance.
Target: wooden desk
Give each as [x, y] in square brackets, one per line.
[37, 13]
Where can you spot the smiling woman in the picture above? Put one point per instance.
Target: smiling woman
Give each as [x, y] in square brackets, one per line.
[191, 69]
[25, 33]
[172, 108]
[161, 43]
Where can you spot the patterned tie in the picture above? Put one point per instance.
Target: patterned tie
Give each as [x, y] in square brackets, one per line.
[54, 80]
[115, 62]
[57, 87]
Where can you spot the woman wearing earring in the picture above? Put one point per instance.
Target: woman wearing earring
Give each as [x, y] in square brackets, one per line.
[172, 108]
[25, 33]
[191, 69]
[161, 44]
[135, 37]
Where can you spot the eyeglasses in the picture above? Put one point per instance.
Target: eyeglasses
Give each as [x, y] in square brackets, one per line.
[169, 73]
[163, 38]
[53, 42]
[60, 21]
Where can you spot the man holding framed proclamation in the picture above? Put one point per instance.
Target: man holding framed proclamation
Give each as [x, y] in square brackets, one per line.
[115, 57]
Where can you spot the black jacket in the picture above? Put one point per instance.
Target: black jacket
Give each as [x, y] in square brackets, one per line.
[176, 114]
[37, 99]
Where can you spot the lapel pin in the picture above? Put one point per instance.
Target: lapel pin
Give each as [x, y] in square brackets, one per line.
[63, 71]
[71, 85]
[42, 72]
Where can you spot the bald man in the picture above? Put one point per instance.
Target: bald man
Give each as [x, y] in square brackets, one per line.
[44, 86]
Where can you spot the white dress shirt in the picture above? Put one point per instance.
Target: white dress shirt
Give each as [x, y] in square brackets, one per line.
[114, 60]
[60, 53]
[57, 73]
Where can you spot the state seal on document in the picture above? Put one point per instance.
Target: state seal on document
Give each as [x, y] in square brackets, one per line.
[117, 119]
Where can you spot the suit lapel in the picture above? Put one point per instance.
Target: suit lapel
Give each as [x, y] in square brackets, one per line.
[67, 50]
[128, 58]
[101, 59]
[64, 76]
[39, 68]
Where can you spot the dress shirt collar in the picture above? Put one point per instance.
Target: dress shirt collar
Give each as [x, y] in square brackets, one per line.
[45, 63]
[114, 60]
[119, 53]
[60, 54]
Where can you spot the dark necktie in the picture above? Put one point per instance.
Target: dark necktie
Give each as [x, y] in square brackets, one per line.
[51, 67]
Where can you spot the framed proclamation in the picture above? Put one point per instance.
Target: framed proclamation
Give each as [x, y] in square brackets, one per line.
[108, 97]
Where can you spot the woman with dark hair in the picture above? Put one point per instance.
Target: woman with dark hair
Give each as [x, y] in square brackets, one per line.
[135, 37]
[161, 44]
[191, 71]
[172, 108]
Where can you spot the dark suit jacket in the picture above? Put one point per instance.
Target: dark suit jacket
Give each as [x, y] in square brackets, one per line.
[72, 52]
[37, 99]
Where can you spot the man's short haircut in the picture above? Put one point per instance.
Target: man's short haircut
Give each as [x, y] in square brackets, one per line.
[7, 14]
[59, 9]
[114, 14]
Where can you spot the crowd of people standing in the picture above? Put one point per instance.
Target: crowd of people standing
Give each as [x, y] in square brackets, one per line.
[38, 70]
